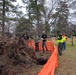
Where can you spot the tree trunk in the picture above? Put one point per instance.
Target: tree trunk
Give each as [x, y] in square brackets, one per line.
[72, 40]
[3, 20]
[37, 13]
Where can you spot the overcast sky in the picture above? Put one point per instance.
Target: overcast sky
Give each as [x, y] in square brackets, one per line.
[21, 4]
[49, 5]
[24, 10]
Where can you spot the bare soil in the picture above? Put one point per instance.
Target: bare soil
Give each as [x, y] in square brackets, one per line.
[16, 58]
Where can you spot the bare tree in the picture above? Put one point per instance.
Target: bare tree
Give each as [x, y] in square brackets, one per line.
[47, 15]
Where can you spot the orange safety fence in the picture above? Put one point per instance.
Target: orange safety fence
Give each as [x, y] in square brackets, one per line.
[49, 45]
[52, 63]
[31, 43]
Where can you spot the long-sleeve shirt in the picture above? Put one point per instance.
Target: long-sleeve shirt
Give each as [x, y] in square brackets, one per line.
[44, 37]
[36, 39]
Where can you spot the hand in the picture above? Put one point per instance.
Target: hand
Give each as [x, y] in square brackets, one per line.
[41, 38]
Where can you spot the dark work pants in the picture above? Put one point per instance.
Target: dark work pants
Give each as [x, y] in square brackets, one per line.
[60, 48]
[44, 45]
[36, 46]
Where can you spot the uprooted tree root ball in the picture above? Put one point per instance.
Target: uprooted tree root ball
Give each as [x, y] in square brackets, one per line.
[16, 56]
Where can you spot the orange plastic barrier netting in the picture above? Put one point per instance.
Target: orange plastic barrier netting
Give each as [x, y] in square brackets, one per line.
[52, 63]
[49, 45]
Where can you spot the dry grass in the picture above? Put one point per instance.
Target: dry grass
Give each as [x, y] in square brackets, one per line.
[67, 62]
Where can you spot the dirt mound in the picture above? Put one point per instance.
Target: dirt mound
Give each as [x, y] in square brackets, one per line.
[15, 56]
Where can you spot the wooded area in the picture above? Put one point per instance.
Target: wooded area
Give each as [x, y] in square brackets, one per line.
[40, 15]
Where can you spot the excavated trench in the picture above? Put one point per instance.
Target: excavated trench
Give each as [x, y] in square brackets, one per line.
[42, 61]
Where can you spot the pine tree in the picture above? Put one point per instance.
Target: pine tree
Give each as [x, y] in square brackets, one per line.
[24, 26]
[34, 9]
[6, 8]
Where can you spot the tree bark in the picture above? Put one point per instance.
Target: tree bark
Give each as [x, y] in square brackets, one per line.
[72, 40]
[3, 20]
